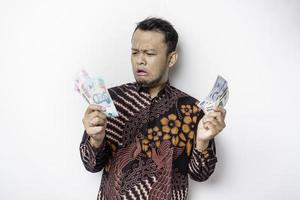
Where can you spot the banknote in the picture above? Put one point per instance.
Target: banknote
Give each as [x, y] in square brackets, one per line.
[94, 91]
[218, 96]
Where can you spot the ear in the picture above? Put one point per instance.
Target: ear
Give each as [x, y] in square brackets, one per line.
[172, 59]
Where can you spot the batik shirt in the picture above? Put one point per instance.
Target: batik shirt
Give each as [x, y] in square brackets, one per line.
[149, 149]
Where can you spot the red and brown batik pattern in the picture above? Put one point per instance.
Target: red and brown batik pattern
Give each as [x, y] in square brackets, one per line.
[148, 150]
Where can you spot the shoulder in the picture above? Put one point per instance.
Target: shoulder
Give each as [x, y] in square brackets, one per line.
[122, 87]
[121, 90]
[184, 97]
[187, 103]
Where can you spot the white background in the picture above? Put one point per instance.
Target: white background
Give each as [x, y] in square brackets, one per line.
[254, 44]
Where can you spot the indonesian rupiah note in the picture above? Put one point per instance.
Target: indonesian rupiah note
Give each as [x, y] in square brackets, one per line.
[218, 96]
[94, 91]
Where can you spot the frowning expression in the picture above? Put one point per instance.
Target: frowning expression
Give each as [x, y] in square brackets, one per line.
[149, 57]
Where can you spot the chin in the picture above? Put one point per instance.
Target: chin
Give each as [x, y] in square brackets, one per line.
[142, 80]
[149, 83]
[143, 83]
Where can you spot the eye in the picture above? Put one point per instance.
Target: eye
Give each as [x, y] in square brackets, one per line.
[133, 53]
[151, 54]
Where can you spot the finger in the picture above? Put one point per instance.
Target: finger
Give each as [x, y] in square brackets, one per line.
[218, 115]
[217, 125]
[98, 122]
[211, 119]
[95, 130]
[93, 116]
[94, 107]
[221, 120]
[98, 114]
[220, 109]
[209, 126]
[215, 114]
[212, 128]
[92, 119]
[223, 125]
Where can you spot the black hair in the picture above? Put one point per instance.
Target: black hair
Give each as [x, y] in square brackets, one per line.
[163, 26]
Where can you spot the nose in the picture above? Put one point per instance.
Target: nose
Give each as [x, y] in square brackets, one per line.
[141, 59]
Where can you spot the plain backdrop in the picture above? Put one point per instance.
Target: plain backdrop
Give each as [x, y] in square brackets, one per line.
[254, 44]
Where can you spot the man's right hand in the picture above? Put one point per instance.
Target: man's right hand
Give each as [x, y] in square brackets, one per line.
[94, 121]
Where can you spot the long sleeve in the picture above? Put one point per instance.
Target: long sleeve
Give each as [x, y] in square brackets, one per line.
[94, 159]
[202, 164]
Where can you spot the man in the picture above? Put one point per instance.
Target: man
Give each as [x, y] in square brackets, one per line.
[160, 135]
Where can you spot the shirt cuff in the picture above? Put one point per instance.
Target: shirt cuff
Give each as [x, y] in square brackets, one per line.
[207, 155]
[94, 149]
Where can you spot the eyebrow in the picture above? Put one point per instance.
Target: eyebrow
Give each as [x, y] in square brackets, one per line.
[133, 49]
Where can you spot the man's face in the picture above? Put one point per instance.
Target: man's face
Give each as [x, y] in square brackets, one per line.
[149, 58]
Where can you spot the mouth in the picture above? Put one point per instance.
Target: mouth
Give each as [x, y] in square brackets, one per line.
[141, 72]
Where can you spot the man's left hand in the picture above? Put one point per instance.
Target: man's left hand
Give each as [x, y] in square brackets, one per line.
[209, 126]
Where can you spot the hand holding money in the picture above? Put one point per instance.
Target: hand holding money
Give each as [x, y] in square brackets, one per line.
[94, 91]
[94, 122]
[212, 122]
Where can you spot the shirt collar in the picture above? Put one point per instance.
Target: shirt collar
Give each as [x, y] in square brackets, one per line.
[166, 89]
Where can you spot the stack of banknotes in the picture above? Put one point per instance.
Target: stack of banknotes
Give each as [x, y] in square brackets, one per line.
[218, 96]
[94, 91]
